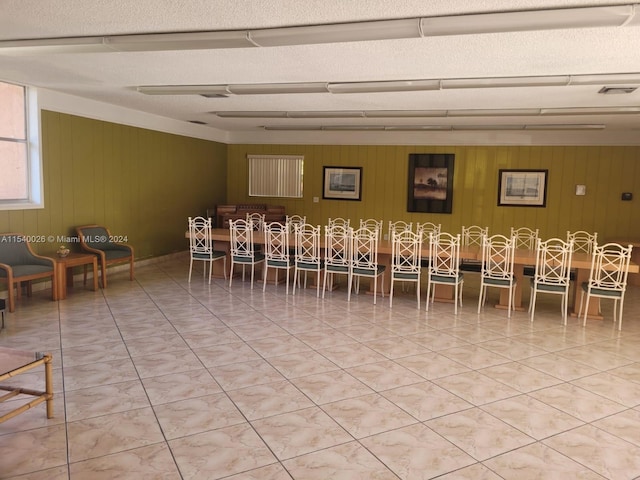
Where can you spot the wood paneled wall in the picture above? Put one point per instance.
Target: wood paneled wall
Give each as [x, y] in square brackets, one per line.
[142, 184]
[606, 171]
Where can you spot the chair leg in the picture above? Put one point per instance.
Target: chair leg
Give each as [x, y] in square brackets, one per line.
[190, 268]
[12, 299]
[264, 278]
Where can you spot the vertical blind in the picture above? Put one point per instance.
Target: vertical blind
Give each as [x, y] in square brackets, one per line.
[275, 175]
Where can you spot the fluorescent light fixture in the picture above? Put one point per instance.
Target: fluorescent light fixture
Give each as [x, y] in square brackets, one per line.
[562, 18]
[411, 128]
[54, 45]
[499, 82]
[277, 88]
[565, 127]
[338, 32]
[603, 79]
[249, 114]
[507, 112]
[179, 41]
[384, 86]
[183, 90]
[487, 127]
[353, 127]
[327, 114]
[404, 113]
[590, 111]
[292, 127]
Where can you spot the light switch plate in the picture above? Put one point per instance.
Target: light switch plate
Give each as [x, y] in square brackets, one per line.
[581, 189]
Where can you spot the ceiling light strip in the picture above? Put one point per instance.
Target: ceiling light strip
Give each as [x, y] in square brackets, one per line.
[432, 127]
[481, 23]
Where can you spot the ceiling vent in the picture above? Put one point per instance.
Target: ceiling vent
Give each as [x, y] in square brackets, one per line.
[616, 90]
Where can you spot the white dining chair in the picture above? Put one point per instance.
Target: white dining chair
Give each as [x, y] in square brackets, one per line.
[552, 273]
[337, 256]
[308, 256]
[444, 267]
[243, 249]
[406, 256]
[201, 246]
[607, 278]
[497, 268]
[364, 260]
[277, 253]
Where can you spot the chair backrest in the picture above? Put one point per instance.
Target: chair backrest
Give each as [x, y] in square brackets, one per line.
[399, 226]
[276, 239]
[257, 221]
[307, 243]
[553, 262]
[444, 254]
[364, 249]
[15, 250]
[373, 225]
[344, 222]
[241, 233]
[473, 235]
[524, 238]
[406, 256]
[498, 257]
[425, 228]
[292, 221]
[200, 242]
[95, 236]
[337, 241]
[583, 242]
[610, 267]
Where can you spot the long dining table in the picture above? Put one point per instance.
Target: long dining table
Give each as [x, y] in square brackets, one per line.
[581, 262]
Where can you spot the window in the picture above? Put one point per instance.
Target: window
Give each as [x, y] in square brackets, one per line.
[21, 179]
[275, 175]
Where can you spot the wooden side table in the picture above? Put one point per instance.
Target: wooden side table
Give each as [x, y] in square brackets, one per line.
[64, 274]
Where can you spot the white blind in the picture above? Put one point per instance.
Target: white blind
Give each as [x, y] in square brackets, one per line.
[275, 175]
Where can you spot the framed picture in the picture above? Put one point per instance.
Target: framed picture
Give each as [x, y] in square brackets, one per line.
[522, 188]
[342, 183]
[430, 186]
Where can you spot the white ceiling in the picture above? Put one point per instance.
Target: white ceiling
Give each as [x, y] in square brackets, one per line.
[114, 76]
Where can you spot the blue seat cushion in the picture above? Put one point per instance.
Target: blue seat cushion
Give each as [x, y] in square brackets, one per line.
[280, 263]
[24, 270]
[406, 276]
[499, 282]
[447, 278]
[370, 271]
[601, 292]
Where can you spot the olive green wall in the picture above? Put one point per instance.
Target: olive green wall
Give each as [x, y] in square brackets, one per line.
[141, 184]
[606, 171]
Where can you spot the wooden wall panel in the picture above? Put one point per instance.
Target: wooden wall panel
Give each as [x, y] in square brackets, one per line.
[606, 171]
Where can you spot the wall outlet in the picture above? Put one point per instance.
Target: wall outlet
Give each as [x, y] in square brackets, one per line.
[581, 189]
[316, 199]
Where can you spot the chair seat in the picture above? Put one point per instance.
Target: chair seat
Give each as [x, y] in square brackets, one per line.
[547, 287]
[406, 276]
[602, 292]
[27, 270]
[499, 282]
[337, 268]
[369, 271]
[447, 279]
[280, 263]
[310, 265]
[257, 257]
[206, 256]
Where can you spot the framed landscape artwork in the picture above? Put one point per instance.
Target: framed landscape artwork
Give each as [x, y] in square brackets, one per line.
[430, 186]
[342, 183]
[522, 188]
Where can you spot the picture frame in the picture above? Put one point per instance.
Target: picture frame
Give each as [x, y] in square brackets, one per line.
[430, 186]
[342, 183]
[522, 188]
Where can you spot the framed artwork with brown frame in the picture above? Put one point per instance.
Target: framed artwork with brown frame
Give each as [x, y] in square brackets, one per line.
[342, 183]
[522, 188]
[430, 186]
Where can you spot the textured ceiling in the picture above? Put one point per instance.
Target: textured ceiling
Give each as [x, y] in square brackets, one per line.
[113, 77]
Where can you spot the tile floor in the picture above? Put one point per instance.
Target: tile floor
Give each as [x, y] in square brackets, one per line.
[159, 379]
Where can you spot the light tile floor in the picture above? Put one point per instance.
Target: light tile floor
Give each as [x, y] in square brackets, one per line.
[159, 379]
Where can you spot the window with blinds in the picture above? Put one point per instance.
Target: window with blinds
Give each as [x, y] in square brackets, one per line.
[275, 175]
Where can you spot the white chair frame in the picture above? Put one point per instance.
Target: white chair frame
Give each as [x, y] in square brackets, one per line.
[524, 238]
[364, 260]
[497, 268]
[444, 266]
[583, 241]
[337, 257]
[373, 225]
[294, 220]
[276, 238]
[472, 236]
[342, 222]
[201, 246]
[607, 278]
[257, 221]
[399, 227]
[243, 249]
[307, 257]
[552, 273]
[406, 256]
